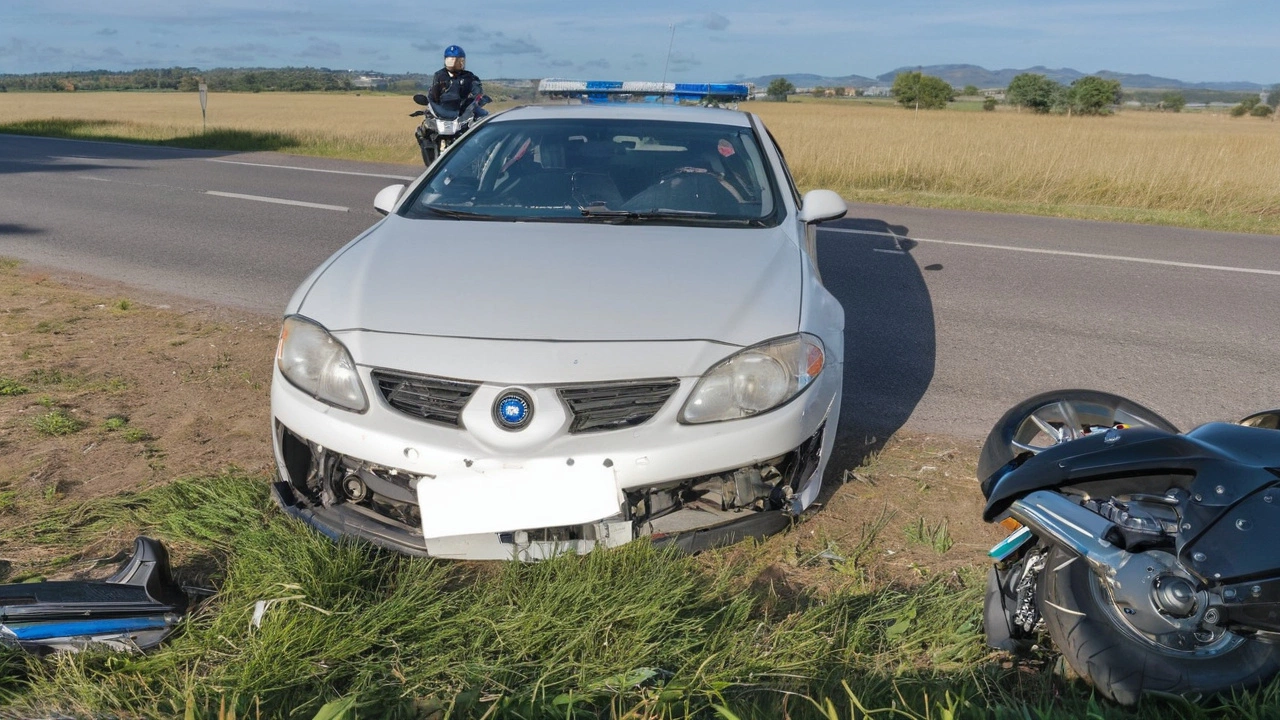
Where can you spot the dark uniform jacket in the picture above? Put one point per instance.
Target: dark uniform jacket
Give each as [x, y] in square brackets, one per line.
[451, 93]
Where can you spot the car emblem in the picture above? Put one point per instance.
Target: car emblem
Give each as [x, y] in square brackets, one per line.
[513, 410]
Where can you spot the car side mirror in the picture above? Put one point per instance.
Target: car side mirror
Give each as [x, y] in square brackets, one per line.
[385, 201]
[822, 205]
[421, 99]
[1269, 420]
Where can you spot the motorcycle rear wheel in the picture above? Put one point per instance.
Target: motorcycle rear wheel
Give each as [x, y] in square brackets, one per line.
[1121, 663]
[1040, 422]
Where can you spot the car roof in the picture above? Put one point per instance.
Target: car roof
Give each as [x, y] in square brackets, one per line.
[627, 111]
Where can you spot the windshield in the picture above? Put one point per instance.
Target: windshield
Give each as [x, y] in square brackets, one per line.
[602, 170]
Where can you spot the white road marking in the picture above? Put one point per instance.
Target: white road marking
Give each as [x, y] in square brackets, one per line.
[279, 201]
[319, 170]
[90, 177]
[1066, 253]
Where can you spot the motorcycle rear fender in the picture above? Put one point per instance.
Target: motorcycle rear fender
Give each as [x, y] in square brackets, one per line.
[1139, 451]
[1221, 462]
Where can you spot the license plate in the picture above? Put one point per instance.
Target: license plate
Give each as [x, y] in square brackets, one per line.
[491, 498]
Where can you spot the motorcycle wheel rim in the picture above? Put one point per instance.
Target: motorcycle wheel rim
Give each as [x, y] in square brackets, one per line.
[1064, 420]
[1191, 644]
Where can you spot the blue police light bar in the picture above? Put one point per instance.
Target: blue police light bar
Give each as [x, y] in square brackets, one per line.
[626, 91]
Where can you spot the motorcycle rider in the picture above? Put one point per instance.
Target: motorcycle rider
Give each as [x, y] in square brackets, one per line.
[453, 87]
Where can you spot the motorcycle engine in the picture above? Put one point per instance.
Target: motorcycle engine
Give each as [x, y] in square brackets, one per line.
[1145, 521]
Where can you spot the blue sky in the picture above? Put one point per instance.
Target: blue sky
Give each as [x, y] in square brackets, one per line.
[1191, 40]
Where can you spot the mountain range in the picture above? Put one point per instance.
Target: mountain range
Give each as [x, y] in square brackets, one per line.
[961, 75]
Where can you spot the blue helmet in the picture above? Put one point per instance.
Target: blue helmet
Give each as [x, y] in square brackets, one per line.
[455, 51]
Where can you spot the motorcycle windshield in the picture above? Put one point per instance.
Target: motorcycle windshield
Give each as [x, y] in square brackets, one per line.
[445, 113]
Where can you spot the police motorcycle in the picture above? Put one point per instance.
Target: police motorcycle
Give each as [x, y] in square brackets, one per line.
[1151, 557]
[440, 125]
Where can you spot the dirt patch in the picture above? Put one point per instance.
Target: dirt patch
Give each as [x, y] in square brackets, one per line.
[104, 390]
[912, 513]
[100, 392]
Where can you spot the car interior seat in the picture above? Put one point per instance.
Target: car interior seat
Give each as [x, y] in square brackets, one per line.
[592, 183]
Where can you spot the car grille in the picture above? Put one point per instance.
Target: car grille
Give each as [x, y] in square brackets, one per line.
[434, 399]
[609, 406]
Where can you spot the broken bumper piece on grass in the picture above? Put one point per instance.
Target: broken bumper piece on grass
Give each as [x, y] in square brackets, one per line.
[132, 610]
[340, 495]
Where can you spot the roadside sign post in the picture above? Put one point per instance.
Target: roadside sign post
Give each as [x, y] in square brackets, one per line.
[204, 103]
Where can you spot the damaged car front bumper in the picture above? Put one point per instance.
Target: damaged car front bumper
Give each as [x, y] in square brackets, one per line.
[692, 486]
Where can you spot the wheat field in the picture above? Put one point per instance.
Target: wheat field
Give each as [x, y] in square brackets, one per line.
[1195, 164]
[1193, 169]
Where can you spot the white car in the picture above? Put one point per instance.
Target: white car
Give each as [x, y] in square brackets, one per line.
[582, 325]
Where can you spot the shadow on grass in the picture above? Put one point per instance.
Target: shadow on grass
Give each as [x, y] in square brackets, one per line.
[109, 131]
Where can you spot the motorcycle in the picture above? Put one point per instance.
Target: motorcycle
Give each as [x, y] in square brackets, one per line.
[1151, 557]
[437, 131]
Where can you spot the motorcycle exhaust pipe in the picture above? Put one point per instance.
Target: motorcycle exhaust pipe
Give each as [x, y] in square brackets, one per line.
[1057, 519]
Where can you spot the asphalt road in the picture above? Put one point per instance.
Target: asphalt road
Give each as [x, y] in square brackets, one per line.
[952, 316]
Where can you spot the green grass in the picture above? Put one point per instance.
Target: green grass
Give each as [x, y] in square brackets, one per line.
[632, 632]
[1223, 221]
[10, 387]
[934, 536]
[57, 422]
[135, 435]
[128, 433]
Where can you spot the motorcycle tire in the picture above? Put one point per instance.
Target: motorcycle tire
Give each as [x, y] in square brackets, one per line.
[1122, 667]
[429, 154]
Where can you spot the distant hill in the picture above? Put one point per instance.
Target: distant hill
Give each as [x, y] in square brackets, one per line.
[808, 80]
[961, 75]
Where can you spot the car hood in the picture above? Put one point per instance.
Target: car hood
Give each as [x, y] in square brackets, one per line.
[562, 281]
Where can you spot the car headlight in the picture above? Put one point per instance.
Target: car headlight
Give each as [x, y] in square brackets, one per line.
[755, 380]
[317, 364]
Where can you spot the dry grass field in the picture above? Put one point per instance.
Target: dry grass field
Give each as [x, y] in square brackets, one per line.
[358, 126]
[1195, 170]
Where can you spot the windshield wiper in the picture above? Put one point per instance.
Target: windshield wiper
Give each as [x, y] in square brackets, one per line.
[457, 214]
[659, 214]
[597, 212]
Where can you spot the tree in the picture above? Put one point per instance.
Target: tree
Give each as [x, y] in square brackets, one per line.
[1032, 91]
[970, 90]
[1092, 95]
[914, 89]
[1273, 96]
[1173, 101]
[1246, 106]
[819, 91]
[1261, 110]
[779, 89]
[989, 104]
